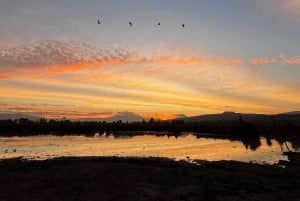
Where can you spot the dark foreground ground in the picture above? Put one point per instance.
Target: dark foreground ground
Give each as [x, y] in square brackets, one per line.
[111, 178]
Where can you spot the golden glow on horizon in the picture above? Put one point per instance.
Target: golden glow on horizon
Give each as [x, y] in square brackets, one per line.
[158, 86]
[122, 90]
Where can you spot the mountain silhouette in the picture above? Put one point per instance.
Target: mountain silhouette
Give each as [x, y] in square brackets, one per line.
[250, 118]
[4, 116]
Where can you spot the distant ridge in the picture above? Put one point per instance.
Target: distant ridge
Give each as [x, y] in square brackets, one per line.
[4, 116]
[225, 116]
[292, 113]
[120, 116]
[232, 116]
[132, 117]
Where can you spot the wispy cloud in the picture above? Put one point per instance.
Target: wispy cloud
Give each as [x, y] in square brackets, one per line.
[291, 60]
[55, 55]
[282, 59]
[262, 60]
[68, 73]
[52, 111]
[59, 57]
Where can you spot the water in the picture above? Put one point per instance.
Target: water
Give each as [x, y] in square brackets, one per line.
[186, 147]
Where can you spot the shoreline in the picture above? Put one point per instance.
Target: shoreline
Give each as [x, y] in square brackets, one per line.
[132, 178]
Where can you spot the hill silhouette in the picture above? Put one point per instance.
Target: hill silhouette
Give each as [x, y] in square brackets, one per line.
[13, 116]
[250, 118]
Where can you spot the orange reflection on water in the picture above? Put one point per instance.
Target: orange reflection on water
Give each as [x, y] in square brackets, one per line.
[184, 147]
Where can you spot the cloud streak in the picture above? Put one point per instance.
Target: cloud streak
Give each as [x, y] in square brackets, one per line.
[50, 58]
[86, 77]
[281, 60]
[55, 54]
[56, 57]
[59, 57]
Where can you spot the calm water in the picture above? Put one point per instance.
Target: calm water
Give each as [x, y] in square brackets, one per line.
[185, 147]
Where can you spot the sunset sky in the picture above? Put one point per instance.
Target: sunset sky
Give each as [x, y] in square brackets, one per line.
[233, 55]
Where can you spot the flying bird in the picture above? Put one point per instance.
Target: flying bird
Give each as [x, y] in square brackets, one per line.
[130, 23]
[99, 22]
[158, 24]
[183, 25]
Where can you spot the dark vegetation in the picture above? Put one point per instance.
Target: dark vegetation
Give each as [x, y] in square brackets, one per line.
[112, 178]
[283, 128]
[272, 125]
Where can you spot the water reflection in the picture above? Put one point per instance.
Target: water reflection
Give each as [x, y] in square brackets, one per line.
[248, 137]
[292, 140]
[185, 145]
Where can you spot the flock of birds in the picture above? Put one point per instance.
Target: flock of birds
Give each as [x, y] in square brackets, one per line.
[130, 24]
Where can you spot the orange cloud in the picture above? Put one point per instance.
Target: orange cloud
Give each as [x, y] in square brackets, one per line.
[172, 59]
[123, 80]
[52, 58]
[264, 60]
[55, 57]
[291, 60]
[59, 54]
[76, 67]
[282, 59]
[179, 60]
[224, 60]
[191, 60]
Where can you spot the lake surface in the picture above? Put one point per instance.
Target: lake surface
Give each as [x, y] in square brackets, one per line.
[186, 147]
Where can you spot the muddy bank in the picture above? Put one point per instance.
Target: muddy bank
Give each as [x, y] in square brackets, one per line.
[112, 178]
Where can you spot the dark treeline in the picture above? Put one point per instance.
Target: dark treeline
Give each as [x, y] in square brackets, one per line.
[248, 133]
[24, 127]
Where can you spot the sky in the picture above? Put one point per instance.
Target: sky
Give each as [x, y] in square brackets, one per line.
[57, 61]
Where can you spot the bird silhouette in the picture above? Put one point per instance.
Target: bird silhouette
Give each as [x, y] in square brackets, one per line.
[183, 25]
[99, 22]
[158, 24]
[130, 23]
